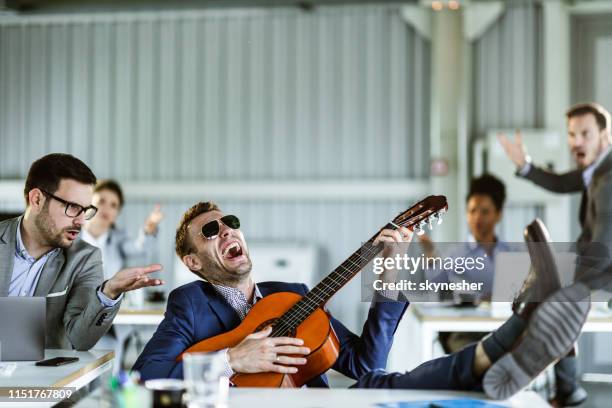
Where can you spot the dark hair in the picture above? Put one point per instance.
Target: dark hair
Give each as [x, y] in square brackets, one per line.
[182, 243]
[602, 116]
[110, 185]
[491, 186]
[47, 172]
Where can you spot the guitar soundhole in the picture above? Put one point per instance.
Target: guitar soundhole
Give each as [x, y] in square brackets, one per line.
[271, 322]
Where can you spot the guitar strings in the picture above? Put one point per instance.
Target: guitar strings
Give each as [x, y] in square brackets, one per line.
[305, 306]
[315, 297]
[312, 300]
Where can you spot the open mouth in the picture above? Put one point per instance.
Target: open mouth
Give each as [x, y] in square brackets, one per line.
[580, 155]
[232, 251]
[73, 234]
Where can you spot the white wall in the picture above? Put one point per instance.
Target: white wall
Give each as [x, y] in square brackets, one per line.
[272, 94]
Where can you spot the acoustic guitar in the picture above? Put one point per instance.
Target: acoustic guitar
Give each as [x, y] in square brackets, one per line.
[304, 317]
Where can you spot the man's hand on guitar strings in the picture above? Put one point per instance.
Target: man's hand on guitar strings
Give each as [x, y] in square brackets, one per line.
[259, 353]
[392, 240]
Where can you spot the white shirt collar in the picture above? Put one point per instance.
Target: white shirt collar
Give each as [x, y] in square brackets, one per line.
[587, 173]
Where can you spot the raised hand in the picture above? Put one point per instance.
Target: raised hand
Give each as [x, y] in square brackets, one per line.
[515, 149]
[153, 220]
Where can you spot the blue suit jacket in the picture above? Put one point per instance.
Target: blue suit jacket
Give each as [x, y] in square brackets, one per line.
[196, 312]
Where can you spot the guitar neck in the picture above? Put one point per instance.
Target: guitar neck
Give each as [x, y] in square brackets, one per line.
[324, 290]
[422, 214]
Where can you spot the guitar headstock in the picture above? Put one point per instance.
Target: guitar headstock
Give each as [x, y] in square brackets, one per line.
[426, 213]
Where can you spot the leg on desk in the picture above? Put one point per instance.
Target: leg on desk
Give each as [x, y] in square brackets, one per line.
[451, 372]
[458, 371]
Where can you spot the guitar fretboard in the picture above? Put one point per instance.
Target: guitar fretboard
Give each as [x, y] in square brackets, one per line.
[324, 290]
[416, 218]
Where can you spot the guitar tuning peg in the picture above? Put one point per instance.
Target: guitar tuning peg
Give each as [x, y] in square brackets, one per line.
[439, 216]
[419, 228]
[430, 220]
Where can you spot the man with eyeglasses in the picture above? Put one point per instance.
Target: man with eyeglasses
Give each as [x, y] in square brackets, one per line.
[41, 256]
[212, 246]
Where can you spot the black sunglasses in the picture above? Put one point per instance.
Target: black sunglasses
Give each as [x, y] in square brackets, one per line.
[73, 210]
[210, 230]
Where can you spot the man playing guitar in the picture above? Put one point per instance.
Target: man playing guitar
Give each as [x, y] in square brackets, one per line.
[212, 246]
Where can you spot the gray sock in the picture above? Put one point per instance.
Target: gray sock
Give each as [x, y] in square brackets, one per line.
[500, 341]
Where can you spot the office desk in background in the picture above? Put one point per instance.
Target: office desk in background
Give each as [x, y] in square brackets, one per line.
[428, 320]
[90, 367]
[150, 314]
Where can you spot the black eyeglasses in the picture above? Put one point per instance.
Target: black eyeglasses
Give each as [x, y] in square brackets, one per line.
[210, 230]
[73, 210]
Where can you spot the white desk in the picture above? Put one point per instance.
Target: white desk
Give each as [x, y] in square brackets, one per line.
[431, 319]
[362, 398]
[333, 398]
[91, 365]
[151, 314]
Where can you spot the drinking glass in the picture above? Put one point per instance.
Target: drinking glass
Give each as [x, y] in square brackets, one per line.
[206, 384]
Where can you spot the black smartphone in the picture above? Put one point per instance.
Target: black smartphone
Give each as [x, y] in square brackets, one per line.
[57, 361]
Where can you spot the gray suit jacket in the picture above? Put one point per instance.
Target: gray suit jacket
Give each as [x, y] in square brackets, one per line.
[75, 316]
[597, 225]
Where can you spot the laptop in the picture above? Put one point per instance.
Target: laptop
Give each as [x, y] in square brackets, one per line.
[22, 328]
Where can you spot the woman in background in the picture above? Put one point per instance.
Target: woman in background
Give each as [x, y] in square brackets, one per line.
[117, 249]
[114, 243]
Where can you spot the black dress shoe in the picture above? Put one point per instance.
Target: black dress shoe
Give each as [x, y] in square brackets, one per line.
[543, 278]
